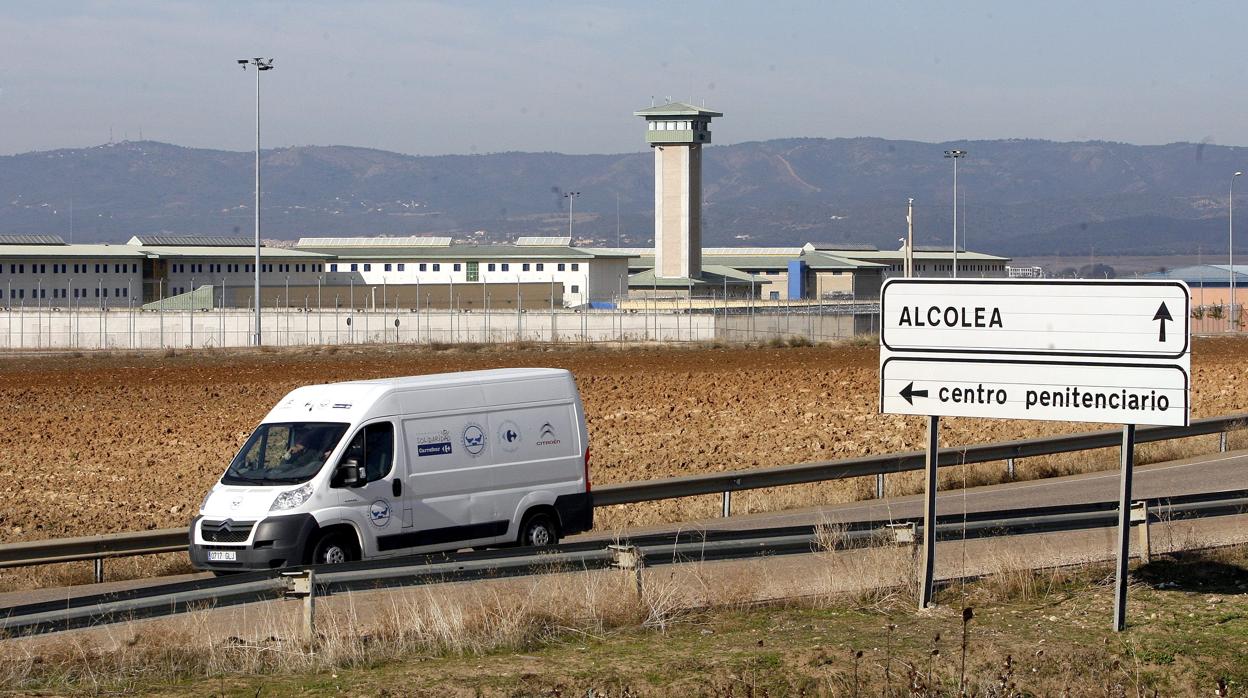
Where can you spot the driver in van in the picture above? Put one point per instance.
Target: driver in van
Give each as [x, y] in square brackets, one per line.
[305, 452]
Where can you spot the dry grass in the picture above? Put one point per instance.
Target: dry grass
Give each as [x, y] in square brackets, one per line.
[1012, 578]
[471, 620]
[860, 579]
[871, 573]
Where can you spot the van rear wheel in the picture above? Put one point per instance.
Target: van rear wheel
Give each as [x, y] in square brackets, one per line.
[334, 549]
[539, 529]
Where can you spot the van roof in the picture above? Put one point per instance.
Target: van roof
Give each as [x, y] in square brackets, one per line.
[356, 400]
[459, 378]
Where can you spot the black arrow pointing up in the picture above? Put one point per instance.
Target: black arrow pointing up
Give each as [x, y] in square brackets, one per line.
[909, 393]
[1163, 314]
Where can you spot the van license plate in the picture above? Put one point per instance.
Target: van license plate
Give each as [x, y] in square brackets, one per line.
[222, 555]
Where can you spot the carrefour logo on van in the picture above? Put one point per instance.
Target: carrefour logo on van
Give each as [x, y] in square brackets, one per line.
[438, 449]
[509, 436]
[379, 513]
[474, 439]
[435, 444]
[546, 436]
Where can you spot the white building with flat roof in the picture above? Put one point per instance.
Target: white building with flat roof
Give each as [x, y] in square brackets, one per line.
[44, 270]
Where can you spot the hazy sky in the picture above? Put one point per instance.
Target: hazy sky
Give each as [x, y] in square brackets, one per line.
[461, 77]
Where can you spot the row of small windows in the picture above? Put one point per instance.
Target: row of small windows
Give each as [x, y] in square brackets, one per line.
[213, 268]
[245, 268]
[41, 293]
[78, 268]
[678, 125]
[435, 266]
[948, 267]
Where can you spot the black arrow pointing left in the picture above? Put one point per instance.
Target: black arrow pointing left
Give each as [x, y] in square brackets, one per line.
[909, 393]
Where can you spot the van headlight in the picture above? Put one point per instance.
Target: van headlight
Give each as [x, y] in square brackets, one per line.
[292, 498]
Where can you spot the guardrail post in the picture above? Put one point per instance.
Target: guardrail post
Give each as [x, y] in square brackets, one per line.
[628, 557]
[1139, 517]
[301, 584]
[726, 510]
[1009, 468]
[99, 570]
[902, 533]
[879, 486]
[1222, 442]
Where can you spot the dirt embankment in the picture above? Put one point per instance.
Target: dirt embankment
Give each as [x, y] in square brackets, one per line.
[94, 444]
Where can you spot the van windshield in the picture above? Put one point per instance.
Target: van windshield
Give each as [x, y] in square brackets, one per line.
[284, 454]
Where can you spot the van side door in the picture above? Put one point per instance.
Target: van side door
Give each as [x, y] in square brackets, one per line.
[374, 506]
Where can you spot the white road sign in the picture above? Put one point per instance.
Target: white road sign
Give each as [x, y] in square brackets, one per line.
[1080, 351]
[1050, 391]
[1113, 319]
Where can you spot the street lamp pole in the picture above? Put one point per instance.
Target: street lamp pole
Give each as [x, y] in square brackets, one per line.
[261, 65]
[570, 196]
[955, 155]
[1230, 248]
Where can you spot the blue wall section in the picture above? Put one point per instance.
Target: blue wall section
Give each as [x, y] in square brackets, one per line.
[797, 279]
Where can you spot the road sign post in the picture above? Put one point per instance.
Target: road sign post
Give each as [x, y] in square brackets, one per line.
[1124, 527]
[1069, 350]
[928, 583]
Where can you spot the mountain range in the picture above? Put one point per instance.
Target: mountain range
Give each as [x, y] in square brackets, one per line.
[1017, 197]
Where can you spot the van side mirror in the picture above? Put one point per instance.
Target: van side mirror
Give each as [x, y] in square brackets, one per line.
[350, 474]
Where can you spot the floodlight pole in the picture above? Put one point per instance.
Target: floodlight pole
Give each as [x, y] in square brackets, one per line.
[261, 64]
[1230, 248]
[955, 155]
[571, 196]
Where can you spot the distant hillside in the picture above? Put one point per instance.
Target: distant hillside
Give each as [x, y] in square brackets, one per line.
[1020, 196]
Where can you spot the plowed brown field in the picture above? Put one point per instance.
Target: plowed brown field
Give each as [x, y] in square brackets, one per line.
[94, 444]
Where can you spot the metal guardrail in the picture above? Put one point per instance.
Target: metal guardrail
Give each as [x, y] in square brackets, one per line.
[98, 548]
[716, 483]
[653, 550]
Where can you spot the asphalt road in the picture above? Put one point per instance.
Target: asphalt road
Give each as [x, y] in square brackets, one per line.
[1210, 473]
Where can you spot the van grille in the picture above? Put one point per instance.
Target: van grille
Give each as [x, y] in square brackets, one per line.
[226, 531]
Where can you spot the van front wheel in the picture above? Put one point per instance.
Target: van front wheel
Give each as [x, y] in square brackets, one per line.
[334, 549]
[538, 530]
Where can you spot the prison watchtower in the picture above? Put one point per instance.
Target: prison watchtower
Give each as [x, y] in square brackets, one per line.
[677, 132]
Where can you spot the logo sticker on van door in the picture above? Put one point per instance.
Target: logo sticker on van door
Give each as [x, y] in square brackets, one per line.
[474, 439]
[379, 513]
[509, 436]
[438, 444]
[547, 436]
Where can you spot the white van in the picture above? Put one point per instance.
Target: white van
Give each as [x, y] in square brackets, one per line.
[380, 468]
